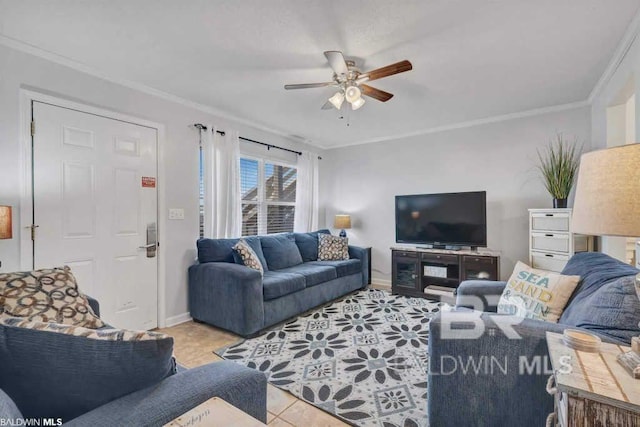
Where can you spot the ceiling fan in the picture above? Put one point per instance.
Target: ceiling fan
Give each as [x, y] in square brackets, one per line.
[350, 81]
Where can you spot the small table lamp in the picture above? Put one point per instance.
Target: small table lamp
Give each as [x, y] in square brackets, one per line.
[343, 222]
[608, 204]
[6, 228]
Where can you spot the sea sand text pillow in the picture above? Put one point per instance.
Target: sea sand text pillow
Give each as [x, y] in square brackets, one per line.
[332, 248]
[536, 294]
[46, 295]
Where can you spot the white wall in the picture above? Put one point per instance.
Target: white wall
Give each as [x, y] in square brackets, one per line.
[21, 70]
[499, 158]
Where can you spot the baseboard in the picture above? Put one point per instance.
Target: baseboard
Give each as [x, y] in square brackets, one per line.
[381, 282]
[176, 320]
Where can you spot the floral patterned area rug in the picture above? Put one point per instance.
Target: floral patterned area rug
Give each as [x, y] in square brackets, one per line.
[362, 358]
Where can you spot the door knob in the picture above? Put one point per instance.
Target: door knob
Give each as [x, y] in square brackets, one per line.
[152, 240]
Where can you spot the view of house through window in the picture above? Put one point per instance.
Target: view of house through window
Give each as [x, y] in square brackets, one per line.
[268, 196]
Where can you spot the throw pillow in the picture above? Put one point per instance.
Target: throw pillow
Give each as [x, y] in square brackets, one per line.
[536, 294]
[66, 371]
[612, 310]
[280, 251]
[332, 248]
[47, 295]
[105, 334]
[248, 256]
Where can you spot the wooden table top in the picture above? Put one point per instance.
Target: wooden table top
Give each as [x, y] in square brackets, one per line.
[594, 376]
[213, 413]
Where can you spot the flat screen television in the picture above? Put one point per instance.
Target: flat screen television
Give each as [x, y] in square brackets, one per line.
[442, 220]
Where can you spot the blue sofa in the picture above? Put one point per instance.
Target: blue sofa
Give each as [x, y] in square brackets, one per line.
[225, 293]
[604, 303]
[153, 405]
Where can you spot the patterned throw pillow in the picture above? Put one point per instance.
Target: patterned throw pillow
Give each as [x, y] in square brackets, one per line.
[536, 294]
[332, 248]
[47, 295]
[79, 331]
[248, 256]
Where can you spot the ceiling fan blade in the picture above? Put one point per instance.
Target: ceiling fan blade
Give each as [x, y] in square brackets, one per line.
[307, 85]
[389, 70]
[374, 93]
[327, 106]
[337, 62]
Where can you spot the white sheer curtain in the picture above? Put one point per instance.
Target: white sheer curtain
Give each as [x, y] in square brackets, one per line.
[307, 193]
[223, 210]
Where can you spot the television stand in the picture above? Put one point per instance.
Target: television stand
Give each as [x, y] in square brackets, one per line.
[418, 271]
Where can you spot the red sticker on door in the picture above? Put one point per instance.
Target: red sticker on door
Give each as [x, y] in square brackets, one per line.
[148, 182]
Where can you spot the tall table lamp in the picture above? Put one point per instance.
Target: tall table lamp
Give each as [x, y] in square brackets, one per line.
[607, 203]
[6, 228]
[342, 222]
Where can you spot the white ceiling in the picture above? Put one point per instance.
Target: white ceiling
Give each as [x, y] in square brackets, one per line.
[472, 59]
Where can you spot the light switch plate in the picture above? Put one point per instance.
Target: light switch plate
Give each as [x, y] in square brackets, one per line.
[176, 213]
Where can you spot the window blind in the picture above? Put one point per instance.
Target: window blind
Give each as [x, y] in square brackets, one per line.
[268, 196]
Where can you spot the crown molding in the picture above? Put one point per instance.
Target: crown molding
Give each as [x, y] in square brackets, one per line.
[470, 123]
[630, 36]
[78, 66]
[621, 51]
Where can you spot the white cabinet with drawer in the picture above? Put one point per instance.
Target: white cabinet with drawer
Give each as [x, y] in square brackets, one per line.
[551, 242]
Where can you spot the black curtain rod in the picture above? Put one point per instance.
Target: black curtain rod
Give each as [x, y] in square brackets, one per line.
[269, 146]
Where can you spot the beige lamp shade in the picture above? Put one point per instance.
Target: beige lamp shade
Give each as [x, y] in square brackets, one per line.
[607, 199]
[342, 221]
[6, 227]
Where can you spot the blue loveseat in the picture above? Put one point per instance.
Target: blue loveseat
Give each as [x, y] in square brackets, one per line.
[504, 392]
[225, 293]
[36, 382]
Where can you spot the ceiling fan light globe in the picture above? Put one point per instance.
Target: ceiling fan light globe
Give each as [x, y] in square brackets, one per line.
[337, 100]
[357, 103]
[352, 94]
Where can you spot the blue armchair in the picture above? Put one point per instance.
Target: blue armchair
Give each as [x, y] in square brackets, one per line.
[153, 405]
[487, 369]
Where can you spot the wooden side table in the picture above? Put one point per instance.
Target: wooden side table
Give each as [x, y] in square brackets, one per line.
[592, 389]
[215, 412]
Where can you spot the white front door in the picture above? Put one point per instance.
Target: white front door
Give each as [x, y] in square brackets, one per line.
[95, 208]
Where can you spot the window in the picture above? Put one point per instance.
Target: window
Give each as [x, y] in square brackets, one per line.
[268, 196]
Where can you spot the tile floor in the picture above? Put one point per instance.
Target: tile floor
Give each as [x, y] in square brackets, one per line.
[194, 344]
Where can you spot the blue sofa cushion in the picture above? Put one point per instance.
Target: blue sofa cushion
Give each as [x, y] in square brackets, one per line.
[308, 244]
[59, 375]
[280, 251]
[313, 274]
[221, 250]
[612, 310]
[216, 250]
[276, 284]
[343, 268]
[595, 269]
